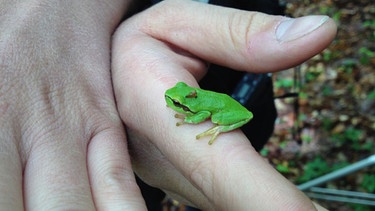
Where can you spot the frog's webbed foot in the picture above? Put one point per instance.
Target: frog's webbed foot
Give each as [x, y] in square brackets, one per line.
[214, 131]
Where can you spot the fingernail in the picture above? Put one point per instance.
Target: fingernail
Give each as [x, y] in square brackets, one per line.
[294, 28]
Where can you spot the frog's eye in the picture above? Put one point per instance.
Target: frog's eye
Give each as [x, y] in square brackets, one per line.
[192, 94]
[179, 105]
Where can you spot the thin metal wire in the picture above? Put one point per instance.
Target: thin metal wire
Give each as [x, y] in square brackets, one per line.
[341, 199]
[340, 195]
[338, 173]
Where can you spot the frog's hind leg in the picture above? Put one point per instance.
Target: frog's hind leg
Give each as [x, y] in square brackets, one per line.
[214, 131]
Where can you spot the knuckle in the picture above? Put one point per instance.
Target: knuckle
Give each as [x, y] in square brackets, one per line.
[203, 177]
[239, 25]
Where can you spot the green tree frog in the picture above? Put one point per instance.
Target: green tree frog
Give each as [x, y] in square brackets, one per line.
[197, 105]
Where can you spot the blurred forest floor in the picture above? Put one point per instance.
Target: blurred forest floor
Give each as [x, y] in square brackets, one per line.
[332, 123]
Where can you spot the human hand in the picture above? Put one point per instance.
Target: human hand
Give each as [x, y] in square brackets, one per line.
[62, 142]
[169, 43]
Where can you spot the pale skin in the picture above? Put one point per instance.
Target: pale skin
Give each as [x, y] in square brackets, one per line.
[62, 142]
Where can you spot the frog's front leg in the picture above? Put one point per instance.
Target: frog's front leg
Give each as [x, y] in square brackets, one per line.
[193, 118]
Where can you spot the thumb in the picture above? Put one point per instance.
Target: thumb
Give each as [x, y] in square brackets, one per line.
[239, 39]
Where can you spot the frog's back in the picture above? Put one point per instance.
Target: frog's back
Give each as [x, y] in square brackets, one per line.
[216, 102]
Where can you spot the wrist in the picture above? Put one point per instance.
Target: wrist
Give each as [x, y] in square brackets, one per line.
[101, 12]
[56, 38]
